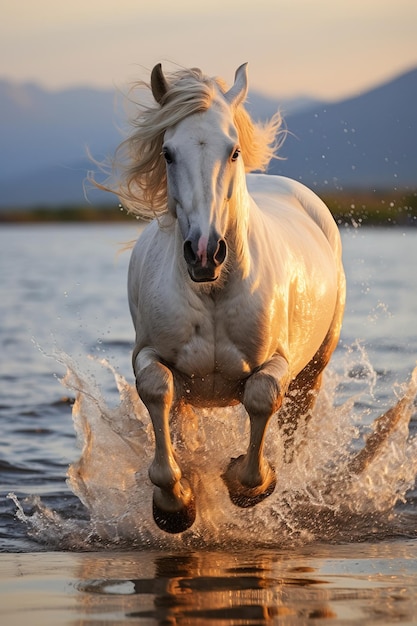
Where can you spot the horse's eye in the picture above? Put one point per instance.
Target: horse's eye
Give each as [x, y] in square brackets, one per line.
[167, 155]
[235, 154]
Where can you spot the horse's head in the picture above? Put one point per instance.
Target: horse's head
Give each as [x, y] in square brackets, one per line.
[202, 159]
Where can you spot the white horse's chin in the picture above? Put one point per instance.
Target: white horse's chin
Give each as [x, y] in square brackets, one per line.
[204, 280]
[200, 276]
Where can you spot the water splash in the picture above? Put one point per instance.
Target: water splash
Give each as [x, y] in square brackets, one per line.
[331, 491]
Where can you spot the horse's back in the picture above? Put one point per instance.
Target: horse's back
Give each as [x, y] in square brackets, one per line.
[276, 195]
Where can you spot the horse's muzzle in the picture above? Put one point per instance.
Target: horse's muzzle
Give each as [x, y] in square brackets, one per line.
[204, 261]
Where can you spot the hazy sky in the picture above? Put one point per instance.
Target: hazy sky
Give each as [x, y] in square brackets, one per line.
[324, 48]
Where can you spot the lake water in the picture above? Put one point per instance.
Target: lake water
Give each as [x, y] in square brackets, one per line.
[77, 540]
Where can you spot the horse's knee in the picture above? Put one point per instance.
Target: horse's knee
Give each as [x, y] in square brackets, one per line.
[262, 396]
[155, 384]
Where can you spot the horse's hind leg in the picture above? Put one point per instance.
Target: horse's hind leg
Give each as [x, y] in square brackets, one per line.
[173, 501]
[298, 406]
[302, 391]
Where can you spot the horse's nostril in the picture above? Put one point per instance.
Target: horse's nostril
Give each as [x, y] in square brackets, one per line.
[192, 257]
[189, 254]
[221, 252]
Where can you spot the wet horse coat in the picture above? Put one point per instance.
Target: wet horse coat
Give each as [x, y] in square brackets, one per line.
[236, 293]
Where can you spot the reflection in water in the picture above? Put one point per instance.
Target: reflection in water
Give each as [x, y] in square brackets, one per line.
[376, 583]
[372, 584]
[206, 587]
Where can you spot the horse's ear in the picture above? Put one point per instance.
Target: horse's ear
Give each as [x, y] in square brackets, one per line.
[159, 84]
[237, 94]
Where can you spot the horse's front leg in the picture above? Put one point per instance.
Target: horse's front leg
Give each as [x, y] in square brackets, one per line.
[173, 501]
[250, 478]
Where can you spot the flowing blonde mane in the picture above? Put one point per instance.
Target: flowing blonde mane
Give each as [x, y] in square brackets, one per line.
[139, 170]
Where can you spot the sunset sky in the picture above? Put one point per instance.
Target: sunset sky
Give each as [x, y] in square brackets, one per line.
[324, 48]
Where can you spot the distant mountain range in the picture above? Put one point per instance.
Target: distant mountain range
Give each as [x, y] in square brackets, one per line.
[366, 142]
[369, 141]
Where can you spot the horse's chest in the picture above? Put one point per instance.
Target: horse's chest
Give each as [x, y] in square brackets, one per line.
[208, 338]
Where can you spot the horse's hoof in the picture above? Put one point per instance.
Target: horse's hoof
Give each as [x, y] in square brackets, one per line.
[174, 522]
[247, 497]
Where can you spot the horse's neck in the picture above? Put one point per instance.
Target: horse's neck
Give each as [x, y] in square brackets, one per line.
[240, 206]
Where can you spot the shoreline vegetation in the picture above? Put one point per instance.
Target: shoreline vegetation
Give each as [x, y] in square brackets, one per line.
[355, 208]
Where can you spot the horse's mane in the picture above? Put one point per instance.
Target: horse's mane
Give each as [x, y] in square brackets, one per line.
[138, 168]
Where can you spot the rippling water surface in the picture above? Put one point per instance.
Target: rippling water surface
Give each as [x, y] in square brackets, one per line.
[316, 549]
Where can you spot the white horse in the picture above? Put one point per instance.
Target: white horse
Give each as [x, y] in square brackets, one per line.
[236, 290]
